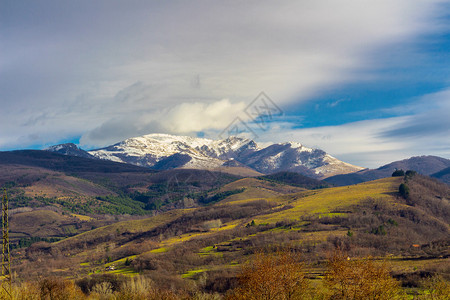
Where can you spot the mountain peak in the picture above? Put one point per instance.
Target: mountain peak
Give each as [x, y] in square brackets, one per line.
[59, 147]
[293, 144]
[69, 149]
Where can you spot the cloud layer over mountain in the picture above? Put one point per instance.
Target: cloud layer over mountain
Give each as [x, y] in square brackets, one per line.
[99, 72]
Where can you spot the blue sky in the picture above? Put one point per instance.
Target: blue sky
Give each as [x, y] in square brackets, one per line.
[400, 80]
[366, 81]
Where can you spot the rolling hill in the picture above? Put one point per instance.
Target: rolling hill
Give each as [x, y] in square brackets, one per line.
[443, 175]
[66, 195]
[425, 165]
[208, 244]
[80, 218]
[83, 185]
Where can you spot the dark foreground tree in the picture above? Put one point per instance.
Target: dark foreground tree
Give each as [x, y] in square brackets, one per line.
[398, 173]
[403, 189]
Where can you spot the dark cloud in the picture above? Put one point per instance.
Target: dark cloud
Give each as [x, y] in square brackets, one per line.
[116, 130]
[435, 124]
[430, 118]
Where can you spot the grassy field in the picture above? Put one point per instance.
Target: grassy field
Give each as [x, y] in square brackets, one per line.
[330, 200]
[133, 226]
[322, 202]
[257, 189]
[239, 171]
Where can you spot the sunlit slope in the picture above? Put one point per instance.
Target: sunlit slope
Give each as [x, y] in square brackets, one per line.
[239, 171]
[133, 226]
[218, 237]
[257, 189]
[306, 202]
[330, 200]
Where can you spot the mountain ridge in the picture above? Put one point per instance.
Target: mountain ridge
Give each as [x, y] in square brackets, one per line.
[164, 151]
[70, 149]
[425, 165]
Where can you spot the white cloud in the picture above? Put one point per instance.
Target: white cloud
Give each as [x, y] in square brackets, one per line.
[430, 119]
[106, 71]
[195, 117]
[372, 143]
[184, 118]
[353, 142]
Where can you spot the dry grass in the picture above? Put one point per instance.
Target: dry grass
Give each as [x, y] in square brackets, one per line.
[239, 171]
[204, 242]
[133, 226]
[330, 199]
[82, 217]
[405, 265]
[257, 189]
[61, 185]
[41, 223]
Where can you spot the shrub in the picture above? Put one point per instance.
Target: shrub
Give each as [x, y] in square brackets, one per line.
[410, 173]
[102, 290]
[360, 279]
[128, 261]
[137, 288]
[212, 224]
[219, 196]
[59, 289]
[87, 284]
[403, 189]
[392, 222]
[398, 173]
[437, 287]
[144, 262]
[272, 276]
[25, 291]
[380, 230]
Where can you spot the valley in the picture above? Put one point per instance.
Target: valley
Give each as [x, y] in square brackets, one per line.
[110, 221]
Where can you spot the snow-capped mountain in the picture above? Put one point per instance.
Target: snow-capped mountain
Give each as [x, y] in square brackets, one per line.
[164, 151]
[182, 151]
[70, 149]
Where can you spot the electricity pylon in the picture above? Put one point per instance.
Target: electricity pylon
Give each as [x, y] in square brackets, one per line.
[6, 258]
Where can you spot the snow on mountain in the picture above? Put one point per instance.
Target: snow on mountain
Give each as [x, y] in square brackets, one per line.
[149, 149]
[69, 149]
[164, 151]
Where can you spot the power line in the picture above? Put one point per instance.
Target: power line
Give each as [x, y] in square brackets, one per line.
[6, 257]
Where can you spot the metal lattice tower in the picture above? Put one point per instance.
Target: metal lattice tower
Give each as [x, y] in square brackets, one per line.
[6, 257]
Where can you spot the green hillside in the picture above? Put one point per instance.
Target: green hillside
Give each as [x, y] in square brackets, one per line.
[212, 242]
